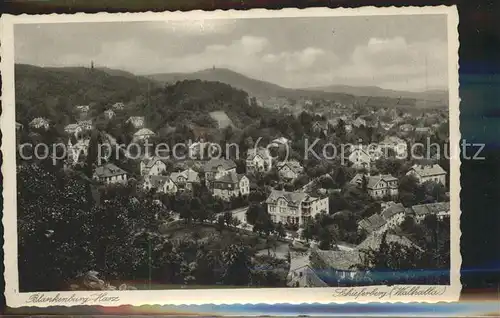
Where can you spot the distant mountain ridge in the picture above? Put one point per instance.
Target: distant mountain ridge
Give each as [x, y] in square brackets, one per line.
[263, 89]
[375, 91]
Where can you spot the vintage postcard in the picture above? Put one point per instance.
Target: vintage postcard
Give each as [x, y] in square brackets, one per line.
[231, 157]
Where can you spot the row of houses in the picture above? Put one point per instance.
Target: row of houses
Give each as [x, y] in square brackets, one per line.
[394, 214]
[385, 185]
[322, 268]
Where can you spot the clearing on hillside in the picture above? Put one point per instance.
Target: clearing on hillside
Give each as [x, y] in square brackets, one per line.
[222, 119]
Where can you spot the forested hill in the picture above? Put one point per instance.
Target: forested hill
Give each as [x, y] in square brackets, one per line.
[53, 92]
[192, 101]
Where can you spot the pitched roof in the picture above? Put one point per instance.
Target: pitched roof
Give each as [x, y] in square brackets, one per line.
[294, 165]
[109, 170]
[431, 208]
[372, 223]
[232, 178]
[372, 181]
[340, 260]
[143, 132]
[298, 260]
[158, 181]
[71, 127]
[213, 164]
[253, 152]
[374, 240]
[428, 170]
[150, 161]
[392, 210]
[189, 175]
[293, 198]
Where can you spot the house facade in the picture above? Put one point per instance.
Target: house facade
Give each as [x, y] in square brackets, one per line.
[185, 180]
[152, 166]
[109, 114]
[258, 160]
[289, 170]
[118, 106]
[396, 144]
[425, 173]
[85, 124]
[162, 184]
[294, 207]
[215, 168]
[39, 122]
[378, 186]
[110, 174]
[74, 129]
[230, 185]
[362, 157]
[136, 121]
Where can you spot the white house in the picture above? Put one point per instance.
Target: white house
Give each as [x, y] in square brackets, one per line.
[378, 186]
[143, 134]
[118, 106]
[109, 114]
[230, 185]
[39, 122]
[185, 180]
[152, 166]
[19, 126]
[160, 183]
[440, 209]
[425, 173]
[136, 121]
[362, 156]
[294, 207]
[290, 169]
[397, 144]
[215, 168]
[75, 151]
[85, 124]
[258, 159]
[74, 129]
[109, 173]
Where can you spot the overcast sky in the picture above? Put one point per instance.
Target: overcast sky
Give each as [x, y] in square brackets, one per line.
[397, 52]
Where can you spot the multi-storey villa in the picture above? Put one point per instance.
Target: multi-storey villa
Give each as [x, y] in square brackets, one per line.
[294, 207]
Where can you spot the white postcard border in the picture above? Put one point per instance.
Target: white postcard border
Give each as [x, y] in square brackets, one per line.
[216, 296]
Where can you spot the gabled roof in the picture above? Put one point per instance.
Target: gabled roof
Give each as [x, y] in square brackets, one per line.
[157, 181]
[431, 208]
[150, 161]
[232, 178]
[340, 260]
[372, 181]
[293, 198]
[374, 240]
[144, 132]
[293, 165]
[213, 164]
[392, 210]
[428, 170]
[372, 223]
[189, 175]
[109, 170]
[262, 152]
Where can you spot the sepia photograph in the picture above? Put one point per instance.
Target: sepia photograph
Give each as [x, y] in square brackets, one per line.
[232, 157]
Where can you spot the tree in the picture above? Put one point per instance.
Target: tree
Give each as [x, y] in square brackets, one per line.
[280, 230]
[253, 212]
[236, 260]
[364, 183]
